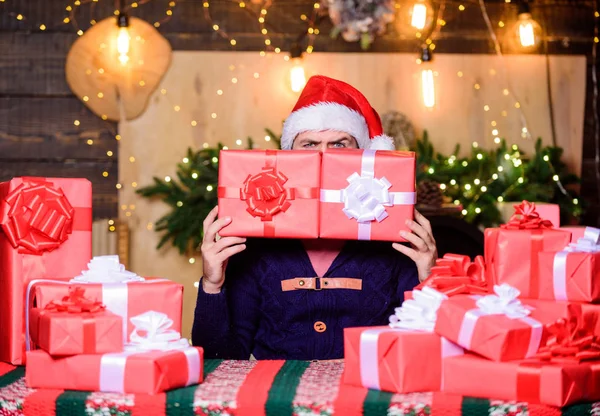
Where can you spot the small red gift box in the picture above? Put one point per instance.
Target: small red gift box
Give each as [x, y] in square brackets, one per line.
[497, 327]
[511, 252]
[387, 359]
[76, 325]
[573, 273]
[366, 194]
[146, 372]
[270, 193]
[45, 233]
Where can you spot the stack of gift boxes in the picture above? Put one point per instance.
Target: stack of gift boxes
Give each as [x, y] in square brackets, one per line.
[80, 323]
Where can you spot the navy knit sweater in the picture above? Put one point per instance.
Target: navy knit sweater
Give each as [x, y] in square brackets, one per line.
[252, 315]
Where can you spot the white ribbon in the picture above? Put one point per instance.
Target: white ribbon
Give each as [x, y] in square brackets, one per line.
[106, 269]
[589, 243]
[157, 335]
[504, 302]
[420, 312]
[366, 197]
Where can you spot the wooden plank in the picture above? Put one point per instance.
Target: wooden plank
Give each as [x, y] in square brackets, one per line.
[44, 128]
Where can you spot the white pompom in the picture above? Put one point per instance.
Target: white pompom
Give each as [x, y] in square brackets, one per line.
[382, 142]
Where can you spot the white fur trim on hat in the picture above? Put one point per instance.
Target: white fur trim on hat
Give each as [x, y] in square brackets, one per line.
[382, 142]
[325, 116]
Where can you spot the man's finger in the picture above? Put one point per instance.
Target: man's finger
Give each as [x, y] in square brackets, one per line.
[210, 218]
[420, 218]
[226, 242]
[423, 233]
[415, 240]
[230, 251]
[407, 251]
[211, 233]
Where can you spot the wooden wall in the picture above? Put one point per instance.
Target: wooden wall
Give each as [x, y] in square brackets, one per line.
[37, 110]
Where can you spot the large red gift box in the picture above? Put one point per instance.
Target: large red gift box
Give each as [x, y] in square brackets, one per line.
[511, 252]
[125, 372]
[123, 299]
[387, 359]
[45, 233]
[499, 336]
[270, 193]
[366, 194]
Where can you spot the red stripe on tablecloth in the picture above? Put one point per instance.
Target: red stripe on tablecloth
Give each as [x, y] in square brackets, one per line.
[444, 404]
[41, 403]
[5, 368]
[349, 401]
[253, 394]
[149, 404]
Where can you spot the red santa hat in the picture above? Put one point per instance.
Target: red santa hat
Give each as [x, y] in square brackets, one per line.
[329, 104]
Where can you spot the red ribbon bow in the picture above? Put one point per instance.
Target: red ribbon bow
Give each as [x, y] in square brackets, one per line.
[75, 302]
[571, 341]
[265, 195]
[39, 218]
[526, 218]
[455, 274]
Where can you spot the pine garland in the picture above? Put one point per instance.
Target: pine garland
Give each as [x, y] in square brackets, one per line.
[476, 182]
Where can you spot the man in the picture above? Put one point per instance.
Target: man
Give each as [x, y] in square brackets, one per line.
[263, 297]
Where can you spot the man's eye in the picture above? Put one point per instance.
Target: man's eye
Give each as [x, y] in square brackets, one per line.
[308, 145]
[342, 145]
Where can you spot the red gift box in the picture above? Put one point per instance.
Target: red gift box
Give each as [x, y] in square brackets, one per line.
[555, 310]
[366, 194]
[123, 299]
[45, 233]
[270, 193]
[383, 358]
[147, 372]
[511, 252]
[483, 325]
[76, 325]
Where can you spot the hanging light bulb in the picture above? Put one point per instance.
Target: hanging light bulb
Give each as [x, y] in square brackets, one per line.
[528, 31]
[427, 84]
[297, 75]
[418, 15]
[123, 38]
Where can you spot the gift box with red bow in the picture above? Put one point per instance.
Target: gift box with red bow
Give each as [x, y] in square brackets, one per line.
[390, 358]
[366, 194]
[574, 272]
[76, 324]
[45, 233]
[270, 193]
[565, 371]
[455, 274]
[511, 251]
[156, 360]
[499, 327]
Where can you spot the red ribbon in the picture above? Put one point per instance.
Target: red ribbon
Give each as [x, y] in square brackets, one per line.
[455, 274]
[39, 217]
[571, 340]
[526, 218]
[75, 302]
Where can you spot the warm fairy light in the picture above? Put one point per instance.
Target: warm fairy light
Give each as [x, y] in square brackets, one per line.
[575, 201]
[105, 174]
[233, 42]
[142, 83]
[234, 80]
[85, 98]
[500, 199]
[194, 123]
[238, 142]
[215, 159]
[505, 91]
[478, 210]
[267, 138]
[209, 188]
[486, 108]
[453, 182]
[185, 160]
[507, 156]
[460, 74]
[483, 188]
[495, 132]
[479, 156]
[500, 168]
[464, 212]
[176, 108]
[100, 95]
[465, 163]
[163, 91]
[214, 115]
[90, 142]
[167, 179]
[431, 171]
[442, 186]
[118, 137]
[256, 75]
[461, 8]
[477, 181]
[109, 153]
[118, 186]
[497, 140]
[179, 204]
[215, 27]
[475, 144]
[468, 187]
[76, 122]
[134, 184]
[477, 86]
[131, 159]
[501, 23]
[517, 105]
[495, 176]
[520, 180]
[555, 178]
[219, 92]
[546, 158]
[192, 260]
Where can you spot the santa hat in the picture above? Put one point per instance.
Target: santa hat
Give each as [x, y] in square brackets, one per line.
[329, 104]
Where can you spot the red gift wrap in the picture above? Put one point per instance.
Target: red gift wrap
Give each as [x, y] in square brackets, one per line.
[511, 252]
[76, 325]
[570, 276]
[123, 299]
[566, 371]
[387, 359]
[270, 193]
[366, 194]
[45, 233]
[494, 336]
[555, 310]
[147, 372]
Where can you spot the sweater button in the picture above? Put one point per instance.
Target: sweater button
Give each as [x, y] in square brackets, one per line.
[320, 326]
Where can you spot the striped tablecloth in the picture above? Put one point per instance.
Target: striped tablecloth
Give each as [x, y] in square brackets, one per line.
[255, 388]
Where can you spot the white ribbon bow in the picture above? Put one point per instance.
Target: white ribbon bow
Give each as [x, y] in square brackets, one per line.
[157, 336]
[365, 198]
[589, 243]
[504, 302]
[420, 312]
[106, 269]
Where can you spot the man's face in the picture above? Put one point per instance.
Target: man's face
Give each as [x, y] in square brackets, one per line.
[321, 140]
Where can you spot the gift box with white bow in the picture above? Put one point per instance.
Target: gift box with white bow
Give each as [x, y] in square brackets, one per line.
[499, 327]
[156, 360]
[366, 194]
[122, 292]
[390, 358]
[574, 272]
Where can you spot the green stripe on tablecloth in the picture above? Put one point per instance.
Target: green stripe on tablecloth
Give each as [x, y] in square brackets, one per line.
[180, 402]
[475, 407]
[377, 403]
[283, 389]
[12, 376]
[578, 410]
[71, 403]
